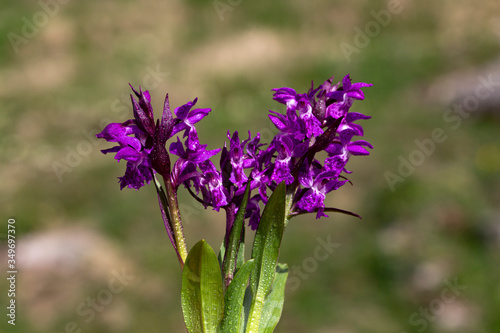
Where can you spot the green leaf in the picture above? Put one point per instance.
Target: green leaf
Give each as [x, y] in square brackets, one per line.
[222, 252]
[233, 321]
[265, 252]
[247, 305]
[240, 259]
[233, 247]
[202, 295]
[273, 305]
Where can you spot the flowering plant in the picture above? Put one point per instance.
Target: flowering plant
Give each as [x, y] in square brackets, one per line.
[266, 184]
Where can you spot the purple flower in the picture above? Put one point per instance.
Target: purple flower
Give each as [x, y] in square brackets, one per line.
[241, 155]
[311, 123]
[290, 98]
[283, 162]
[287, 96]
[288, 125]
[341, 98]
[315, 139]
[131, 149]
[186, 118]
[194, 167]
[138, 170]
[315, 189]
[212, 186]
[237, 160]
[116, 132]
[141, 141]
[253, 211]
[188, 159]
[316, 121]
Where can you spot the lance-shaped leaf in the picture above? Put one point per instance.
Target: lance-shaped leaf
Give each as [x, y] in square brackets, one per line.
[202, 295]
[240, 259]
[265, 253]
[233, 246]
[273, 306]
[222, 252]
[234, 320]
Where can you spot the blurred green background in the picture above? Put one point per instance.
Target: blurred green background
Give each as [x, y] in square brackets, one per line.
[64, 70]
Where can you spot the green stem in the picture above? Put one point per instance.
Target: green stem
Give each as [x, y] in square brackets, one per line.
[176, 218]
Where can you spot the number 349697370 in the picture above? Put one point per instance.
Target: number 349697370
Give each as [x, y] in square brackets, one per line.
[11, 242]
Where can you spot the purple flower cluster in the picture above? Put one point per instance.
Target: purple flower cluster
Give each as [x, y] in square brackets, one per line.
[316, 121]
[141, 143]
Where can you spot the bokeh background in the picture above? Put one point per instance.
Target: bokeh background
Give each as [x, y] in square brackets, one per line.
[425, 257]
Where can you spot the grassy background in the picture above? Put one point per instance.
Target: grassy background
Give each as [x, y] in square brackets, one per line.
[66, 79]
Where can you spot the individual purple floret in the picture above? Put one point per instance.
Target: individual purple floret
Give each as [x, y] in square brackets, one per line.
[211, 185]
[186, 118]
[194, 168]
[189, 158]
[131, 149]
[283, 162]
[238, 160]
[311, 123]
[315, 189]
